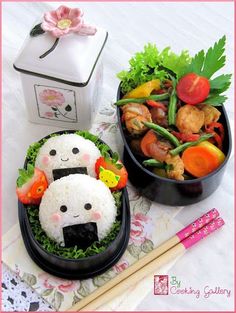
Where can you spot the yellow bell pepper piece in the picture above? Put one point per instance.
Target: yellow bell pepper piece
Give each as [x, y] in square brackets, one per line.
[212, 148]
[144, 90]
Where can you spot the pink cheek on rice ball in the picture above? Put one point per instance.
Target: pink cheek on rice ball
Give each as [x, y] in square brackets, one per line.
[86, 157]
[56, 218]
[96, 215]
[45, 159]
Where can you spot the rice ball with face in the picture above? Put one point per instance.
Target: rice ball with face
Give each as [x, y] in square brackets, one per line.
[77, 210]
[67, 151]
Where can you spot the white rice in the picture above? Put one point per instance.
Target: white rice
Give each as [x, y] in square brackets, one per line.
[74, 191]
[65, 158]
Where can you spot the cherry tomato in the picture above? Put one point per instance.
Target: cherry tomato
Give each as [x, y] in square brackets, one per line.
[193, 89]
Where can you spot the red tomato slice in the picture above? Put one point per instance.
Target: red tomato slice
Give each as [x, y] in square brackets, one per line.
[193, 89]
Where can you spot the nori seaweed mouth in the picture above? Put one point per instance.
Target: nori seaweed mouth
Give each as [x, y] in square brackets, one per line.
[33, 211]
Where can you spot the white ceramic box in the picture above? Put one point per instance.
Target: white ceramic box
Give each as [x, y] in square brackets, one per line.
[63, 88]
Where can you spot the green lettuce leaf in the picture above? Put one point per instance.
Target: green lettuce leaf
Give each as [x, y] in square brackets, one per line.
[151, 64]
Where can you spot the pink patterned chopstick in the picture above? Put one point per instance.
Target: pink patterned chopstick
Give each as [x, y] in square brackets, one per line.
[187, 231]
[197, 224]
[203, 232]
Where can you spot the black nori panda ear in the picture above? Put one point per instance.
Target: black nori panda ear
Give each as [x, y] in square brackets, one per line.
[61, 172]
[80, 235]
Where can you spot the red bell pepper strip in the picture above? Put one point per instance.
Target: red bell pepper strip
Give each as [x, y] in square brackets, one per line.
[156, 104]
[186, 137]
[216, 125]
[218, 137]
[159, 92]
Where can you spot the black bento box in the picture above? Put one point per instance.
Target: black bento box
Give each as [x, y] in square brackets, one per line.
[76, 268]
[168, 191]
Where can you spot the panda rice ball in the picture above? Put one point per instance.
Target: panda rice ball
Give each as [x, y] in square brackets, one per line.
[77, 210]
[67, 151]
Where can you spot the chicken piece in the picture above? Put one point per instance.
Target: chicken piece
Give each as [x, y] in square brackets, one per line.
[211, 113]
[159, 150]
[189, 119]
[134, 114]
[159, 117]
[178, 167]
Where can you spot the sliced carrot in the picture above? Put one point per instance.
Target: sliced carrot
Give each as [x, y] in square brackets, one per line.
[199, 161]
[149, 138]
[213, 149]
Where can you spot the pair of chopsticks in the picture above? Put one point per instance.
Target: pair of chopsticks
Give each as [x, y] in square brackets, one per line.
[160, 256]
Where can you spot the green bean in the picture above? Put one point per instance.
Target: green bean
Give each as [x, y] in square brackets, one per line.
[163, 132]
[157, 164]
[190, 144]
[154, 163]
[172, 108]
[163, 96]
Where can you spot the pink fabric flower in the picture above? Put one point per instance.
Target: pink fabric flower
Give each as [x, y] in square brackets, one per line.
[121, 266]
[48, 114]
[140, 228]
[51, 97]
[65, 20]
[51, 282]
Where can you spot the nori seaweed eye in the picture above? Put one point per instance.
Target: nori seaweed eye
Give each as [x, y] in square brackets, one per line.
[75, 150]
[53, 152]
[63, 208]
[88, 206]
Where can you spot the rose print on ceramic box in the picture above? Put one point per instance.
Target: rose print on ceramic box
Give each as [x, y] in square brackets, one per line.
[56, 103]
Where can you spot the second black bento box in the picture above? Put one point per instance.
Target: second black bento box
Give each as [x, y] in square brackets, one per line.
[168, 191]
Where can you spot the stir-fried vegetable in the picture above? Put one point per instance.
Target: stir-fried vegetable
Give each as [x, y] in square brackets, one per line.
[155, 104]
[163, 132]
[186, 137]
[172, 108]
[149, 138]
[144, 90]
[157, 164]
[202, 159]
[218, 153]
[217, 137]
[163, 96]
[186, 145]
